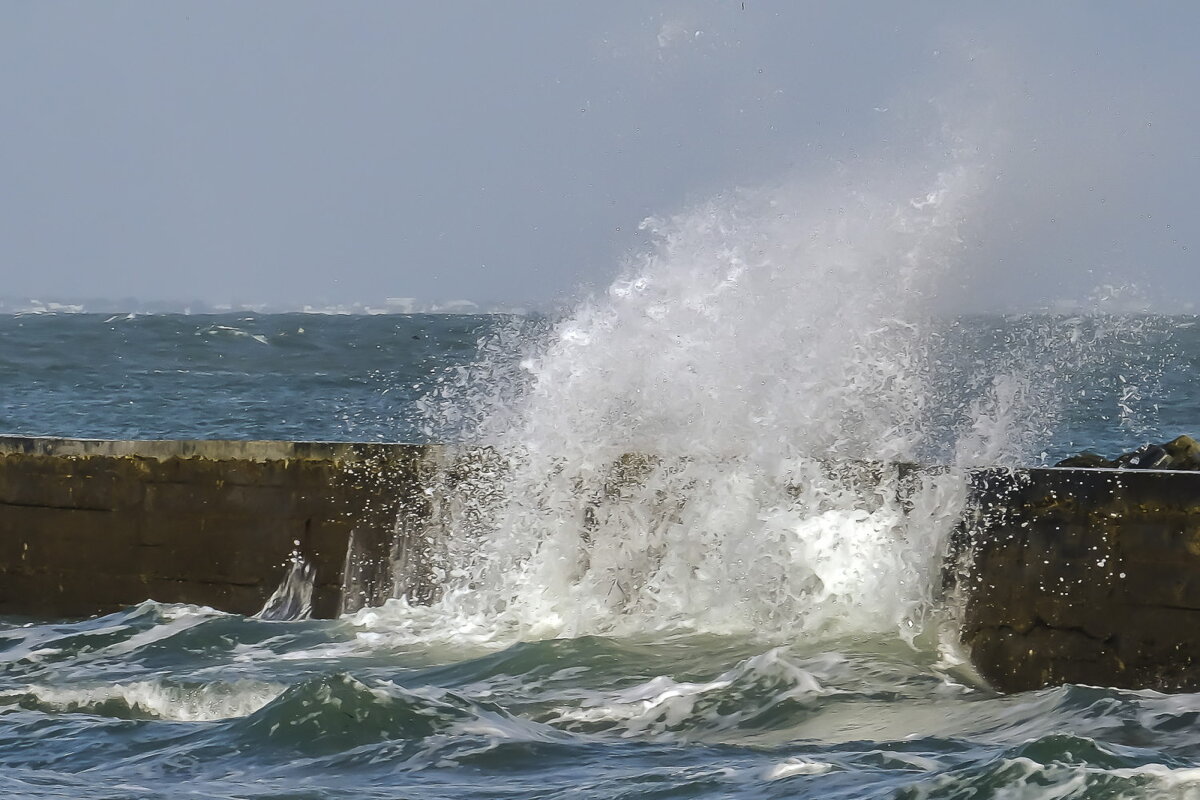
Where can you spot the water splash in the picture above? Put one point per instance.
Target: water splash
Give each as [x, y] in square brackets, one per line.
[292, 599]
[717, 442]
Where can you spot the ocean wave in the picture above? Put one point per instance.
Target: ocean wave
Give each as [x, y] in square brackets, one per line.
[768, 690]
[337, 713]
[1018, 777]
[149, 699]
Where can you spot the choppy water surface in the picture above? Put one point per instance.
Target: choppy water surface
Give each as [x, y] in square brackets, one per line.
[171, 701]
[343, 378]
[232, 376]
[719, 614]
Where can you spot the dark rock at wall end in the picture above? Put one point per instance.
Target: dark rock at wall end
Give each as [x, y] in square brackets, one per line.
[1181, 453]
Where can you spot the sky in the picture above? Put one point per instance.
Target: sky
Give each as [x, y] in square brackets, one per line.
[296, 153]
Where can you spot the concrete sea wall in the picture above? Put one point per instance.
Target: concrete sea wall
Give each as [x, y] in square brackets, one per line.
[1065, 575]
[1083, 576]
[89, 527]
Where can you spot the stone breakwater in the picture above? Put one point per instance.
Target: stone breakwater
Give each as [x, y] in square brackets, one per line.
[1085, 575]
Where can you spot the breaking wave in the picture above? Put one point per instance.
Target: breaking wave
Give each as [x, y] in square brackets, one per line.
[718, 442]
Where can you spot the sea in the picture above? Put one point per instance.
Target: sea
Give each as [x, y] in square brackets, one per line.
[660, 592]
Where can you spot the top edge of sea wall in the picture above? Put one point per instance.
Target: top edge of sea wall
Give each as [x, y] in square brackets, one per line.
[289, 450]
[212, 449]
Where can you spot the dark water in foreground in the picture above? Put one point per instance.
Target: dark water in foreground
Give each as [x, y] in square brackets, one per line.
[170, 701]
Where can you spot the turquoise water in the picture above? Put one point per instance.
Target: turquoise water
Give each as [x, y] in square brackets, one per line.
[399, 702]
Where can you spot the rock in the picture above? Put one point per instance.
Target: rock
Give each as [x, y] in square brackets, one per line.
[1182, 453]
[1152, 456]
[1086, 459]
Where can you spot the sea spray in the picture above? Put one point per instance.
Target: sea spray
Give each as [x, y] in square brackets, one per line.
[687, 450]
[667, 455]
[292, 599]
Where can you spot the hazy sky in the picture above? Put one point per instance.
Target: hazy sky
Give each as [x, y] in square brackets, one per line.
[294, 152]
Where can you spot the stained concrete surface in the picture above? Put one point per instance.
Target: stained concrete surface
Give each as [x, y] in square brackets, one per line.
[89, 526]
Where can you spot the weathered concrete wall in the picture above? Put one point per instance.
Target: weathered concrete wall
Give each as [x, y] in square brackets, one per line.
[1084, 576]
[89, 527]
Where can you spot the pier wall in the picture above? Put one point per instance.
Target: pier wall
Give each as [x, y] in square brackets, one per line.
[89, 527]
[1083, 576]
[1066, 575]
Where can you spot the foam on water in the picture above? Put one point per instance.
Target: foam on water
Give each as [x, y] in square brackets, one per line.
[1060, 780]
[156, 699]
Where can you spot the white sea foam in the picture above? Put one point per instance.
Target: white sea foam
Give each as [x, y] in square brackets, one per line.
[796, 766]
[157, 698]
[1023, 778]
